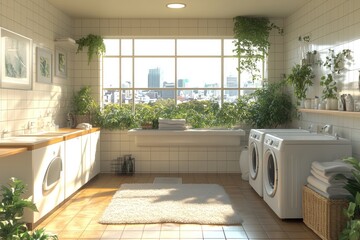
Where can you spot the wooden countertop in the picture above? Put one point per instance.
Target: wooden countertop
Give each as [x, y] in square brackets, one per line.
[63, 134]
[5, 152]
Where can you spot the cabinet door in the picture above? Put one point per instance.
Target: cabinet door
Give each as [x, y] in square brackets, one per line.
[95, 154]
[85, 154]
[73, 166]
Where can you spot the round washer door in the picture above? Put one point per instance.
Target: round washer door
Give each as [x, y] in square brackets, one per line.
[53, 174]
[270, 173]
[253, 160]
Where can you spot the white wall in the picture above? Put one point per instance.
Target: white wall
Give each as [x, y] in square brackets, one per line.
[331, 24]
[41, 22]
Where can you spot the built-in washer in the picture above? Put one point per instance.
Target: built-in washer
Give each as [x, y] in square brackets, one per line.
[287, 164]
[255, 150]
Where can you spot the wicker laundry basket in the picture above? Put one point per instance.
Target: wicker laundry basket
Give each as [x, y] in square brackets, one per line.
[322, 215]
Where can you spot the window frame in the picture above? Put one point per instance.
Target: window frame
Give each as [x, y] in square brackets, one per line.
[133, 89]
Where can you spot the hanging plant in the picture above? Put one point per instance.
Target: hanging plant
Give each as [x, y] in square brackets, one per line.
[94, 43]
[252, 44]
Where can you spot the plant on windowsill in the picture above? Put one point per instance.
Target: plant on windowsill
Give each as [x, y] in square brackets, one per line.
[301, 77]
[252, 42]
[336, 64]
[11, 212]
[269, 107]
[84, 107]
[146, 115]
[352, 213]
[94, 43]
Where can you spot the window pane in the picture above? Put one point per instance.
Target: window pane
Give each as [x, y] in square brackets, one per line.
[126, 73]
[126, 47]
[111, 96]
[147, 96]
[200, 72]
[111, 71]
[112, 47]
[230, 95]
[246, 80]
[200, 47]
[126, 96]
[154, 72]
[230, 72]
[154, 47]
[229, 47]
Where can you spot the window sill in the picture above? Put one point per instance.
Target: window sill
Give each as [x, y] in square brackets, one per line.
[190, 137]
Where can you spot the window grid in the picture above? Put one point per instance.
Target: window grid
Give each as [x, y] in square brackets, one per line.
[133, 89]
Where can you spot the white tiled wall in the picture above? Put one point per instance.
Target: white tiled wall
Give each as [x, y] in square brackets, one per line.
[168, 159]
[331, 24]
[41, 22]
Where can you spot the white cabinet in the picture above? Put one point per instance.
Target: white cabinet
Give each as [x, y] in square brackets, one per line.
[94, 154]
[74, 166]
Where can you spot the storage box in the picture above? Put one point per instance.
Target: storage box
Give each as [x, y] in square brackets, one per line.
[322, 215]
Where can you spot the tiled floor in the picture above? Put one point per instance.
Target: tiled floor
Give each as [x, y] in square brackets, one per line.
[77, 218]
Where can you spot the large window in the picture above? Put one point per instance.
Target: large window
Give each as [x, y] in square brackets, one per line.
[146, 70]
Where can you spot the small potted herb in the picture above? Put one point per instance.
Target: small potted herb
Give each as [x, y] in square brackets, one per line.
[301, 77]
[84, 106]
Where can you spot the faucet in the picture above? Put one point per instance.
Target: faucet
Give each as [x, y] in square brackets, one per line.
[327, 129]
[4, 132]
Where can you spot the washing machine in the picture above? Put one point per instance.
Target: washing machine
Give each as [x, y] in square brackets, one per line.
[255, 150]
[287, 163]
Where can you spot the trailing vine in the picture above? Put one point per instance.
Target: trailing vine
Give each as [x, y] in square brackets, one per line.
[94, 43]
[252, 44]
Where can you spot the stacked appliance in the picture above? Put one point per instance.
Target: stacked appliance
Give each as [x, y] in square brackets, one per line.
[255, 151]
[287, 162]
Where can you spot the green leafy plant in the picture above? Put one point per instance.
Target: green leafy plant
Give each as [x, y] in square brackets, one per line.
[269, 107]
[114, 116]
[336, 64]
[251, 45]
[85, 107]
[11, 212]
[352, 213]
[301, 77]
[94, 43]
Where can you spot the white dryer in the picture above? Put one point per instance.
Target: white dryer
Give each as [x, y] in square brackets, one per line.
[287, 164]
[255, 150]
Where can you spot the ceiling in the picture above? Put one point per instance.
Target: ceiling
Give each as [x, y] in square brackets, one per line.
[194, 8]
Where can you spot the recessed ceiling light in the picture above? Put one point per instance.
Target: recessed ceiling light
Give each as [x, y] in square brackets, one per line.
[176, 5]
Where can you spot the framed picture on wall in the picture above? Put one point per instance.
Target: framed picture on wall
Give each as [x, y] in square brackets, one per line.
[60, 63]
[15, 61]
[43, 65]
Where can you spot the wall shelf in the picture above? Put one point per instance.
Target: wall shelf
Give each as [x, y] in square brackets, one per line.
[330, 112]
[66, 43]
[190, 137]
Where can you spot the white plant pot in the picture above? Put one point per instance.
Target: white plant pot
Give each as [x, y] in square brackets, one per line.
[331, 104]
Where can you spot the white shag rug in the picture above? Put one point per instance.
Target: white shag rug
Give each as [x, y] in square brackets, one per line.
[170, 203]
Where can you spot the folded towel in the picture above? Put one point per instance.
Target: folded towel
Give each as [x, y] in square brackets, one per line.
[333, 196]
[332, 190]
[329, 178]
[331, 167]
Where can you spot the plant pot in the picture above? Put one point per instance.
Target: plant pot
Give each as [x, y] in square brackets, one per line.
[82, 119]
[331, 104]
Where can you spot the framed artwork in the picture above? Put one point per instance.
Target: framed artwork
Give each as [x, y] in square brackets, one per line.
[15, 62]
[43, 65]
[60, 63]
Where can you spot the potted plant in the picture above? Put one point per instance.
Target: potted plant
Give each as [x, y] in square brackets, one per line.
[84, 106]
[301, 77]
[146, 116]
[352, 213]
[11, 212]
[94, 43]
[336, 64]
[251, 45]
